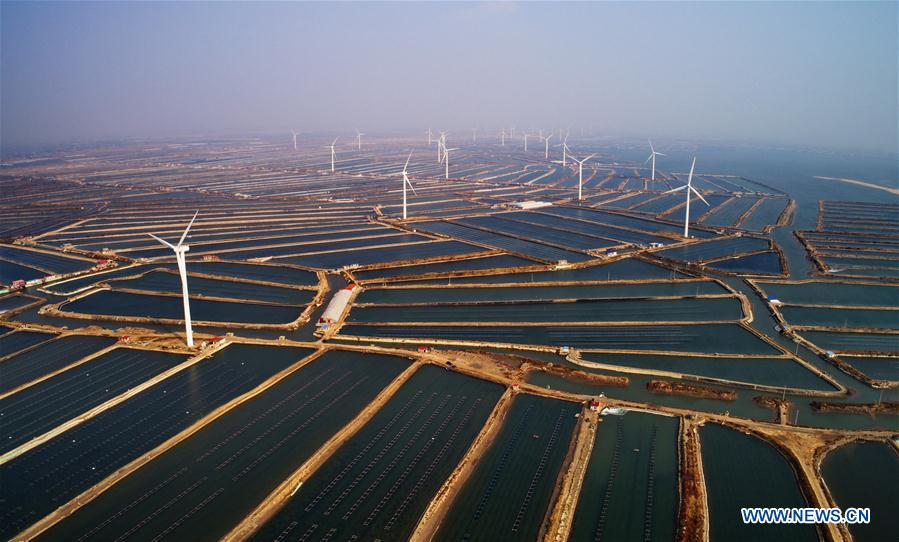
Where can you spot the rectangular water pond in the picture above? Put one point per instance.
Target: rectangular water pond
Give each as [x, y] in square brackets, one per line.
[48, 357]
[209, 482]
[508, 493]
[490, 262]
[704, 338]
[630, 489]
[39, 408]
[107, 302]
[611, 310]
[88, 453]
[744, 471]
[378, 484]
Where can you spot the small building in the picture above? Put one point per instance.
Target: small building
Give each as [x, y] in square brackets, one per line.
[611, 253]
[773, 300]
[656, 245]
[18, 284]
[422, 349]
[125, 339]
[531, 204]
[335, 308]
[594, 405]
[516, 388]
[564, 350]
[210, 258]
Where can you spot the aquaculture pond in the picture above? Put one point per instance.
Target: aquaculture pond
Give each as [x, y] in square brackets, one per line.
[863, 474]
[743, 471]
[508, 494]
[717, 248]
[763, 263]
[833, 293]
[391, 237]
[630, 488]
[115, 303]
[764, 371]
[508, 293]
[162, 281]
[88, 453]
[11, 272]
[541, 233]
[210, 481]
[841, 318]
[16, 341]
[378, 484]
[14, 301]
[625, 269]
[52, 263]
[488, 262]
[546, 253]
[878, 368]
[703, 338]
[39, 408]
[609, 310]
[607, 235]
[369, 256]
[47, 358]
[861, 343]
[282, 274]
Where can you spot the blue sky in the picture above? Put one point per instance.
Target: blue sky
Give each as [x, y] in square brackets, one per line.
[810, 74]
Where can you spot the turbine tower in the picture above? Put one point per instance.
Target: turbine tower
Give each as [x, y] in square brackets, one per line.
[546, 150]
[441, 145]
[331, 146]
[359, 139]
[689, 188]
[446, 161]
[503, 133]
[474, 136]
[179, 251]
[652, 157]
[406, 183]
[295, 134]
[429, 135]
[580, 175]
[525, 142]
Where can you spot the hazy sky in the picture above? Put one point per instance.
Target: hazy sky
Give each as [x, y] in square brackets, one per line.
[818, 74]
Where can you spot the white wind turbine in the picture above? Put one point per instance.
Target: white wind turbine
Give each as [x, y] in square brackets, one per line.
[503, 133]
[331, 146]
[474, 136]
[359, 139]
[565, 150]
[689, 188]
[525, 142]
[441, 145]
[406, 183]
[429, 135]
[652, 157]
[546, 149]
[295, 134]
[580, 175]
[446, 160]
[179, 251]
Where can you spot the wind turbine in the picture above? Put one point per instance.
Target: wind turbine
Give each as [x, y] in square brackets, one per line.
[652, 157]
[474, 136]
[179, 251]
[689, 188]
[359, 138]
[546, 150]
[565, 150]
[331, 146]
[429, 135]
[525, 142]
[446, 161]
[503, 133]
[295, 134]
[441, 144]
[580, 175]
[406, 183]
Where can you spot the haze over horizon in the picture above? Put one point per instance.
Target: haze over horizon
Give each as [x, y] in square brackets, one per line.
[805, 74]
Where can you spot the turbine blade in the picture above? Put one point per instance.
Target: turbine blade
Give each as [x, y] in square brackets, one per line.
[335, 141]
[647, 160]
[700, 196]
[184, 235]
[163, 241]
[660, 154]
[410, 186]
[650, 146]
[407, 161]
[690, 178]
[673, 190]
